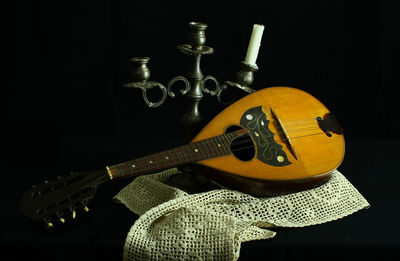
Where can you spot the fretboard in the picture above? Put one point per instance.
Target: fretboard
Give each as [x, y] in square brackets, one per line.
[217, 146]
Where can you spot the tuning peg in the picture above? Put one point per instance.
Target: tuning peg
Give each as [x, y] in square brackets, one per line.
[49, 224]
[83, 202]
[73, 212]
[60, 217]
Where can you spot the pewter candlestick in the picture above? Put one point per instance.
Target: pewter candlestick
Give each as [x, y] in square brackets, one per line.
[194, 80]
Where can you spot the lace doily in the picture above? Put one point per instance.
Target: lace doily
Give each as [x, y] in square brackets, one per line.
[175, 225]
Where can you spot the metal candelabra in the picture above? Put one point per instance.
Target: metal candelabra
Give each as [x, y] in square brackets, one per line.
[194, 80]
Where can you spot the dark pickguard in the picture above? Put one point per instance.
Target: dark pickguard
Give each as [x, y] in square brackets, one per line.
[268, 151]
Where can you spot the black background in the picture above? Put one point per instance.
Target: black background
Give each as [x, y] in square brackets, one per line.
[65, 108]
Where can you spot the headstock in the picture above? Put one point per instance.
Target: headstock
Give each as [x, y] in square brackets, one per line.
[59, 199]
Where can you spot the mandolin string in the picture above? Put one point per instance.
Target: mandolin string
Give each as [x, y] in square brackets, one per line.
[243, 141]
[246, 143]
[249, 140]
[251, 145]
[299, 120]
[179, 156]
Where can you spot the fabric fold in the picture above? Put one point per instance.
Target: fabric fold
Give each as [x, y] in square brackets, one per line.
[175, 225]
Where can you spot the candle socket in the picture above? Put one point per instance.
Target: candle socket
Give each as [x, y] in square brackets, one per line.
[196, 36]
[140, 72]
[245, 76]
[244, 79]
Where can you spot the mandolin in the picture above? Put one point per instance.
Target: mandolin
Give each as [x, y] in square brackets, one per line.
[274, 141]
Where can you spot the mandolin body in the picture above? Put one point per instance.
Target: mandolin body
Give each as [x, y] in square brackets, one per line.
[296, 140]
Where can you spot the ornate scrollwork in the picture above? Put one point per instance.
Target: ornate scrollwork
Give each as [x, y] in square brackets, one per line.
[174, 80]
[217, 86]
[144, 86]
[224, 87]
[187, 49]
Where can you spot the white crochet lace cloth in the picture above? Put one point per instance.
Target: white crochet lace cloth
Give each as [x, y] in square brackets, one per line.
[175, 225]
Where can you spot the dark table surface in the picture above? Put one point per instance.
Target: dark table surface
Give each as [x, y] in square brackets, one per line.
[370, 165]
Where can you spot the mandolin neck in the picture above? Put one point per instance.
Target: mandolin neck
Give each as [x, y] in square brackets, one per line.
[217, 146]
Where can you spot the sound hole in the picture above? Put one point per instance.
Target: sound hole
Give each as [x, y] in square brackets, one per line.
[242, 147]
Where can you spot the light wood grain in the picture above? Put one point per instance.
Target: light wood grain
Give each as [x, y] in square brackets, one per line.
[317, 154]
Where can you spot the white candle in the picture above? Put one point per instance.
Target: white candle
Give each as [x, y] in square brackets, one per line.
[254, 44]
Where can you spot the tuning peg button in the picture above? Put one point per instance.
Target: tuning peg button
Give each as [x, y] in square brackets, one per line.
[49, 224]
[86, 209]
[60, 217]
[73, 212]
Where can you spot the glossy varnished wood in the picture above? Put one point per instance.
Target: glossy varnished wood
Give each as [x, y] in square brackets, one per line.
[315, 153]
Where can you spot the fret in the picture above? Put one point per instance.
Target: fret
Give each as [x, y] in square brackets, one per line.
[169, 155]
[162, 160]
[193, 152]
[229, 136]
[125, 168]
[210, 152]
[120, 170]
[175, 157]
[139, 165]
[167, 158]
[148, 163]
[143, 161]
[145, 166]
[180, 157]
[218, 146]
[155, 161]
[130, 168]
[214, 144]
[184, 156]
[172, 156]
[223, 146]
[233, 135]
[227, 144]
[212, 147]
[187, 148]
[204, 151]
[134, 165]
[199, 150]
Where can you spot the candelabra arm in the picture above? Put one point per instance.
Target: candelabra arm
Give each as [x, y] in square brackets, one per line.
[244, 78]
[173, 81]
[217, 88]
[144, 86]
